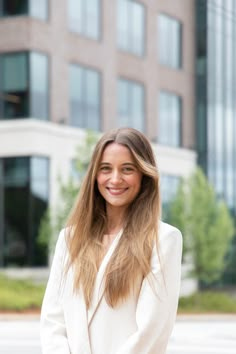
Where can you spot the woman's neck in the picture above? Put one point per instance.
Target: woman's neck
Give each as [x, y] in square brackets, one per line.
[115, 218]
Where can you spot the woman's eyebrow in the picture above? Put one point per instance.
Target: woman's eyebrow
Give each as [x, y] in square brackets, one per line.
[129, 163]
[104, 163]
[123, 164]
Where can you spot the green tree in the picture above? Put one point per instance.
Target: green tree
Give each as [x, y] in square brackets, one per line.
[206, 224]
[55, 219]
[175, 213]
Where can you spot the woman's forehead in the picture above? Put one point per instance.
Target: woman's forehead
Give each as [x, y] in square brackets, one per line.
[115, 152]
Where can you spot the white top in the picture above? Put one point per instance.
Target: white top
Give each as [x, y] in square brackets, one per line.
[140, 325]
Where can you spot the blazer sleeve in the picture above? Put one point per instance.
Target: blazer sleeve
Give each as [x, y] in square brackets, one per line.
[158, 299]
[52, 324]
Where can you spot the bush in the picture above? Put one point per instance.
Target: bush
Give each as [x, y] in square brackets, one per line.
[19, 295]
[208, 302]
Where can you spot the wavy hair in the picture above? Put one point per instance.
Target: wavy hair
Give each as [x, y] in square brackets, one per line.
[87, 224]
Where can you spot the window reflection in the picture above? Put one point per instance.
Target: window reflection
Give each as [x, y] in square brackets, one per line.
[85, 92]
[34, 8]
[84, 17]
[221, 110]
[39, 9]
[39, 174]
[169, 31]
[24, 85]
[130, 104]
[14, 7]
[24, 191]
[14, 87]
[131, 26]
[39, 85]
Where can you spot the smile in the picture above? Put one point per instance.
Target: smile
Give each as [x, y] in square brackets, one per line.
[116, 191]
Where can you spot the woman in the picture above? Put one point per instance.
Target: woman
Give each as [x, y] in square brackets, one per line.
[115, 277]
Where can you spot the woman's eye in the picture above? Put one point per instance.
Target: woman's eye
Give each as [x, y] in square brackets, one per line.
[105, 168]
[128, 169]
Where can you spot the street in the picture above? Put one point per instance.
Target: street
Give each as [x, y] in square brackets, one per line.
[204, 335]
[191, 335]
[19, 336]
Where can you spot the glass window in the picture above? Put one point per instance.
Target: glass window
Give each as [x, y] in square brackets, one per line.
[14, 86]
[39, 9]
[85, 96]
[39, 173]
[131, 26]
[169, 119]
[24, 192]
[13, 7]
[130, 104]
[23, 85]
[34, 8]
[39, 196]
[16, 208]
[39, 85]
[84, 17]
[169, 31]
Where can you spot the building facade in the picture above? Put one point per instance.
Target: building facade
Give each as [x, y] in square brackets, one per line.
[216, 104]
[71, 65]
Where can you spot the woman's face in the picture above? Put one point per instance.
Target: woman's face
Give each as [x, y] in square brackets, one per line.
[118, 178]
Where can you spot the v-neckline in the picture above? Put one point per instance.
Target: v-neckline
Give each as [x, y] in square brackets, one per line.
[110, 250]
[99, 281]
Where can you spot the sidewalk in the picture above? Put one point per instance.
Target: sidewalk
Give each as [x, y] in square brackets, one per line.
[207, 317]
[13, 316]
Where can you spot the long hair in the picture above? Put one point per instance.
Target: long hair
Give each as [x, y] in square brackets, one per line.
[87, 224]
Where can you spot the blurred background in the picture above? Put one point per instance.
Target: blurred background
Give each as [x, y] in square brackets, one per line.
[72, 69]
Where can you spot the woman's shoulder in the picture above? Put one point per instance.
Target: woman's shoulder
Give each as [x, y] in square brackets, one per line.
[168, 249]
[62, 239]
[164, 227]
[65, 233]
[166, 230]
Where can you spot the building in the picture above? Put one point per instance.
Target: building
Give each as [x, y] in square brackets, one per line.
[71, 65]
[216, 104]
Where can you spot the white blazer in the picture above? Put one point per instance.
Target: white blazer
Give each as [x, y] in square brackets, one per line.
[140, 325]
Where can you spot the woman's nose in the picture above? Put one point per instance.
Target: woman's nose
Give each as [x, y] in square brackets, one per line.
[115, 176]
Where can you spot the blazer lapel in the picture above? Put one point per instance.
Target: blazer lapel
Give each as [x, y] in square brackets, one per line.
[83, 343]
[99, 282]
[75, 307]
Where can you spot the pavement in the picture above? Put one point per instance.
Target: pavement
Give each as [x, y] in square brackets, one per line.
[5, 316]
[192, 334]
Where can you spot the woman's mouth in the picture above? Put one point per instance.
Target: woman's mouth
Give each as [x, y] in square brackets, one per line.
[116, 191]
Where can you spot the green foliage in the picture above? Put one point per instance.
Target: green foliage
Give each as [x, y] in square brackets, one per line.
[176, 212]
[207, 302]
[18, 295]
[45, 230]
[206, 225]
[84, 152]
[54, 220]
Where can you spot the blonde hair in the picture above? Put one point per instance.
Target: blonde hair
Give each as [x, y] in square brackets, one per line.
[88, 221]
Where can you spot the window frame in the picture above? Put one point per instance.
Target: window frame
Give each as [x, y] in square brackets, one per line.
[128, 49]
[85, 24]
[86, 68]
[170, 64]
[27, 13]
[29, 91]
